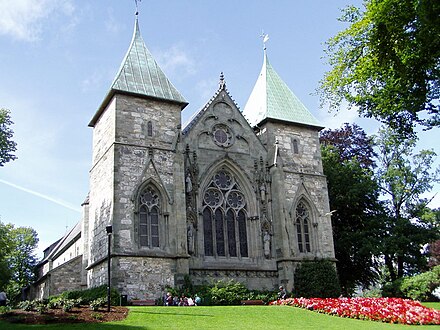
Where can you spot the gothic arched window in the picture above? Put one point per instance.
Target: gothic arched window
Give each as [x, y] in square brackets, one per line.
[149, 128]
[149, 217]
[295, 146]
[302, 224]
[224, 217]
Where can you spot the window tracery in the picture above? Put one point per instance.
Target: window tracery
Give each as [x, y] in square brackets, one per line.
[302, 223]
[224, 217]
[149, 213]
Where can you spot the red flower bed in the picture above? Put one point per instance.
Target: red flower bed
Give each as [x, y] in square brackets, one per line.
[392, 310]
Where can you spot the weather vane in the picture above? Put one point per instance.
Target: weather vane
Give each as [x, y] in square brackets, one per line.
[137, 8]
[265, 38]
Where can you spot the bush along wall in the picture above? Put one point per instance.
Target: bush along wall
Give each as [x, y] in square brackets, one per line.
[91, 294]
[316, 279]
[223, 292]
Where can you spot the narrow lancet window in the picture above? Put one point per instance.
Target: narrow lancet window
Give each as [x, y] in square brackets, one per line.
[149, 128]
[149, 218]
[302, 222]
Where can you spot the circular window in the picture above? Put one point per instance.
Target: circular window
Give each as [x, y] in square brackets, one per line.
[213, 197]
[222, 135]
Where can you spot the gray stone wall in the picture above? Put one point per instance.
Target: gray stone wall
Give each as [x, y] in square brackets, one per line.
[252, 279]
[143, 278]
[66, 277]
[239, 156]
[297, 176]
[101, 195]
[132, 158]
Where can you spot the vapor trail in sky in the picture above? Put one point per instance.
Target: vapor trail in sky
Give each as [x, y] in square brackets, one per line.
[46, 197]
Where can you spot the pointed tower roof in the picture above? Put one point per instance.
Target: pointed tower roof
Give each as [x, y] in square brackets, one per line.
[139, 74]
[271, 98]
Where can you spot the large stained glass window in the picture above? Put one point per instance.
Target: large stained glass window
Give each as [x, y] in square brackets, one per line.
[149, 204]
[302, 223]
[224, 217]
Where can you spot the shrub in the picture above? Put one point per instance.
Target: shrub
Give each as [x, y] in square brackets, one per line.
[219, 293]
[27, 305]
[93, 294]
[420, 287]
[78, 302]
[41, 306]
[97, 316]
[392, 289]
[97, 303]
[317, 279]
[5, 309]
[55, 302]
[228, 293]
[68, 304]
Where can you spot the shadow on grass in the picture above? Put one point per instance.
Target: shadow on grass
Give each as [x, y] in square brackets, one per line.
[72, 326]
[168, 312]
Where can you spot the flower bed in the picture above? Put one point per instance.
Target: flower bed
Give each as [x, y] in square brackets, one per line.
[392, 310]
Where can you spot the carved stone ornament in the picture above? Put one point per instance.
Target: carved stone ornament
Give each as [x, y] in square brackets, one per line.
[222, 135]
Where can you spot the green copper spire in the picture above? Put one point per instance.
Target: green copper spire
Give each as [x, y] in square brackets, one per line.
[271, 98]
[139, 74]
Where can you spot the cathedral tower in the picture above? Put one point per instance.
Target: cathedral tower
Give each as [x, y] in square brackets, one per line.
[137, 180]
[301, 220]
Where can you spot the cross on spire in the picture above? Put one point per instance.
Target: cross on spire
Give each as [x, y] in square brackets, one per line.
[265, 38]
[137, 7]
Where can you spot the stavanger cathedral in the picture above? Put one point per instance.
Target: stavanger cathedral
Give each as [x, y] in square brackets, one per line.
[232, 195]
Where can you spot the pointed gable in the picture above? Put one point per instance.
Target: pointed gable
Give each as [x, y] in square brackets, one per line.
[271, 98]
[139, 74]
[221, 126]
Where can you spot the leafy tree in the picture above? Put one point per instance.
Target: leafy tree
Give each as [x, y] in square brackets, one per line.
[347, 155]
[350, 141]
[434, 253]
[387, 63]
[22, 259]
[7, 146]
[403, 177]
[5, 249]
[17, 258]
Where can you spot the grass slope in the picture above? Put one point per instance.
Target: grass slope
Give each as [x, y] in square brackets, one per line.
[218, 318]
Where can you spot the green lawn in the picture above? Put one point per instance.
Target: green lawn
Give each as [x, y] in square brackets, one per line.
[227, 317]
[435, 305]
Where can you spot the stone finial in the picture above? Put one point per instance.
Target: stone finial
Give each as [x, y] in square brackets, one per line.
[222, 83]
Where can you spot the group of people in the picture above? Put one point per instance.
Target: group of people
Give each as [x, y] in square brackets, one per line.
[169, 300]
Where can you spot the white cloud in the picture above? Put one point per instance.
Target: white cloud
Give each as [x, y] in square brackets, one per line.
[175, 59]
[23, 19]
[111, 23]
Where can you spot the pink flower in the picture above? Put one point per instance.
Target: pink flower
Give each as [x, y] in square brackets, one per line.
[392, 310]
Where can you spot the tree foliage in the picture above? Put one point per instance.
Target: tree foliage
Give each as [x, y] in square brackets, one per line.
[351, 142]
[404, 176]
[317, 279]
[7, 145]
[347, 155]
[5, 249]
[17, 253]
[387, 63]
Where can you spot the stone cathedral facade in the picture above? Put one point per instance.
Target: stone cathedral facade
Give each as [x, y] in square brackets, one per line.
[232, 195]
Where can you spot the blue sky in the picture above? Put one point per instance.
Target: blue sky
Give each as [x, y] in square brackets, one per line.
[59, 57]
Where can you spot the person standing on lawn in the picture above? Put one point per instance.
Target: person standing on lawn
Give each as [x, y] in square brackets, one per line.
[3, 298]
